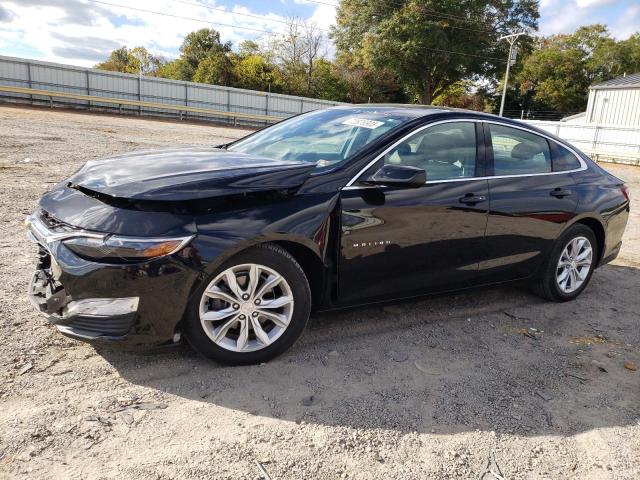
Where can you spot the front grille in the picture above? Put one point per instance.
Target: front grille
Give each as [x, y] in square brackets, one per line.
[110, 327]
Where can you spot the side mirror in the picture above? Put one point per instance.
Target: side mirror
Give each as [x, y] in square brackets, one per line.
[401, 176]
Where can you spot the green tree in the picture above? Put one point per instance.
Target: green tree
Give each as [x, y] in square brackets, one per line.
[367, 85]
[554, 75]
[630, 50]
[249, 47]
[326, 82]
[557, 75]
[216, 69]
[464, 94]
[119, 60]
[255, 73]
[133, 60]
[175, 69]
[198, 46]
[426, 50]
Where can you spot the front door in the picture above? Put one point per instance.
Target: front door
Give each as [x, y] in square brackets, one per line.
[400, 242]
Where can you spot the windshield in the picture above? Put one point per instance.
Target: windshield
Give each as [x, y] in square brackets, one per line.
[324, 137]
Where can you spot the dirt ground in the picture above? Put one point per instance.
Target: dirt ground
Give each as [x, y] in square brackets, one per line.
[428, 389]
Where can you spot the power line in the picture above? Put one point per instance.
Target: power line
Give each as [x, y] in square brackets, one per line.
[434, 23]
[429, 12]
[467, 54]
[260, 17]
[323, 3]
[234, 13]
[444, 16]
[285, 22]
[165, 14]
[481, 30]
[257, 29]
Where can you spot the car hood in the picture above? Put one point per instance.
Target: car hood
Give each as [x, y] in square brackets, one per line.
[187, 174]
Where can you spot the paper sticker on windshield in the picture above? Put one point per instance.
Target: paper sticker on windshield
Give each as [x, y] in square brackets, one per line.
[362, 122]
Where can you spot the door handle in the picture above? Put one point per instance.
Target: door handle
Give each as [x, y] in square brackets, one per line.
[471, 199]
[560, 192]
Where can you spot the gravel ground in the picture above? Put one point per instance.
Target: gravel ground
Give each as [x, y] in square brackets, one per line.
[428, 389]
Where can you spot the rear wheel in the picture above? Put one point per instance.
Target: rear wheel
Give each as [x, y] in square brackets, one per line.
[568, 269]
[251, 309]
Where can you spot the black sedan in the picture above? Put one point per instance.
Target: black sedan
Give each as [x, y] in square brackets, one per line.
[234, 246]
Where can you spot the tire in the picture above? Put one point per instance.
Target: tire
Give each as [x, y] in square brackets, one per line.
[242, 343]
[547, 283]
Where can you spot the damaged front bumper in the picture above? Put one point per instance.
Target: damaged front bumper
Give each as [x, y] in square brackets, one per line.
[129, 303]
[86, 319]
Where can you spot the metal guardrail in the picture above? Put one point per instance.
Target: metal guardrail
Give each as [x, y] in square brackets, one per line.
[137, 103]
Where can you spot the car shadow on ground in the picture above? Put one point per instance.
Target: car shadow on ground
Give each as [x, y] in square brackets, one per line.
[498, 360]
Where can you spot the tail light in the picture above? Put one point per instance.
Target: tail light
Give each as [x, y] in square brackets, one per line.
[625, 191]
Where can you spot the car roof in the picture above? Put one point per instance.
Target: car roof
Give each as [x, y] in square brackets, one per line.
[425, 111]
[415, 110]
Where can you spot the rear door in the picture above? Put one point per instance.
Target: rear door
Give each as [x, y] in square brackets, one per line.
[531, 199]
[399, 242]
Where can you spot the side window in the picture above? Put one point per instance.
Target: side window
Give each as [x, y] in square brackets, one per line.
[446, 151]
[563, 159]
[518, 152]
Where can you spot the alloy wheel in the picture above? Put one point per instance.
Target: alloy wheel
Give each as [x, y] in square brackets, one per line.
[246, 307]
[574, 264]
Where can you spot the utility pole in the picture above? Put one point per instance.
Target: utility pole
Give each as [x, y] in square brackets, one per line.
[140, 57]
[512, 39]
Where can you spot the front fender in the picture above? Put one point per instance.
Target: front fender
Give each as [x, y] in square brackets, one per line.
[304, 220]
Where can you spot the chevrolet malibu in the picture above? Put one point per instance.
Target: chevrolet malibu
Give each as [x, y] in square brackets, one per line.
[234, 246]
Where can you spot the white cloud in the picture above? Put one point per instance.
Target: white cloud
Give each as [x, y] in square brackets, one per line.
[627, 24]
[544, 4]
[563, 18]
[82, 32]
[567, 17]
[594, 3]
[324, 16]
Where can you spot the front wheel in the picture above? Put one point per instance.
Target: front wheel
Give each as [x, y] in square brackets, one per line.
[251, 309]
[570, 265]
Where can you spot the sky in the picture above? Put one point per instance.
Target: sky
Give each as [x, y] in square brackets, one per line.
[84, 32]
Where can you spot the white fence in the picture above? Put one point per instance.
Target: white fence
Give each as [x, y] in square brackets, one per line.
[607, 143]
[20, 72]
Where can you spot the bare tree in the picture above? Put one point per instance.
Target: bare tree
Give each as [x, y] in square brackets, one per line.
[289, 46]
[314, 44]
[296, 50]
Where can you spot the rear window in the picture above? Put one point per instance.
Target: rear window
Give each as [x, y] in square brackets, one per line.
[563, 159]
[517, 152]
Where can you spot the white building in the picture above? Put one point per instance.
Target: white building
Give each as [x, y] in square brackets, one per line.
[615, 102]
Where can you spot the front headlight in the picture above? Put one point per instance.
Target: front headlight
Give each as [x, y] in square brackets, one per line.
[125, 248]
